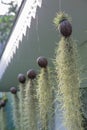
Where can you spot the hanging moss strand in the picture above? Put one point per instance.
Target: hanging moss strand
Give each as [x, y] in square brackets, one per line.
[3, 119]
[45, 97]
[21, 104]
[16, 115]
[30, 106]
[69, 83]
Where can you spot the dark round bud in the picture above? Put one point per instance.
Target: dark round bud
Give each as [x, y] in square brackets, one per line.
[65, 28]
[21, 78]
[2, 103]
[31, 74]
[13, 90]
[42, 62]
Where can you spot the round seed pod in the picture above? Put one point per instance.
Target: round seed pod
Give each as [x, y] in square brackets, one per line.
[13, 90]
[31, 74]
[65, 28]
[42, 62]
[2, 103]
[21, 78]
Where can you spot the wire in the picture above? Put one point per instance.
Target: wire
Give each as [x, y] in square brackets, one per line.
[60, 5]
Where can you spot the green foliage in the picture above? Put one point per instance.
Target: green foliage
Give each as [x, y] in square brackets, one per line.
[12, 8]
[6, 22]
[60, 17]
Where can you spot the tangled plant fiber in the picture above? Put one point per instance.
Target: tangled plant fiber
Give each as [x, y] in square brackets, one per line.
[45, 98]
[21, 105]
[30, 106]
[61, 16]
[69, 83]
[3, 122]
[16, 115]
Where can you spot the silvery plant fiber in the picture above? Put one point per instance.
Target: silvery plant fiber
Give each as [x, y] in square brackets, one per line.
[66, 65]
[30, 102]
[44, 94]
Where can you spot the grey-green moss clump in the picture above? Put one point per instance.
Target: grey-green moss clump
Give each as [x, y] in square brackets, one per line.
[30, 106]
[61, 16]
[21, 104]
[15, 111]
[45, 97]
[22, 84]
[3, 121]
[68, 75]
[69, 83]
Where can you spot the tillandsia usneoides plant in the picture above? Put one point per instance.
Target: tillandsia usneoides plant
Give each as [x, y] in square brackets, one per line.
[15, 106]
[3, 122]
[68, 74]
[22, 84]
[30, 102]
[44, 94]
